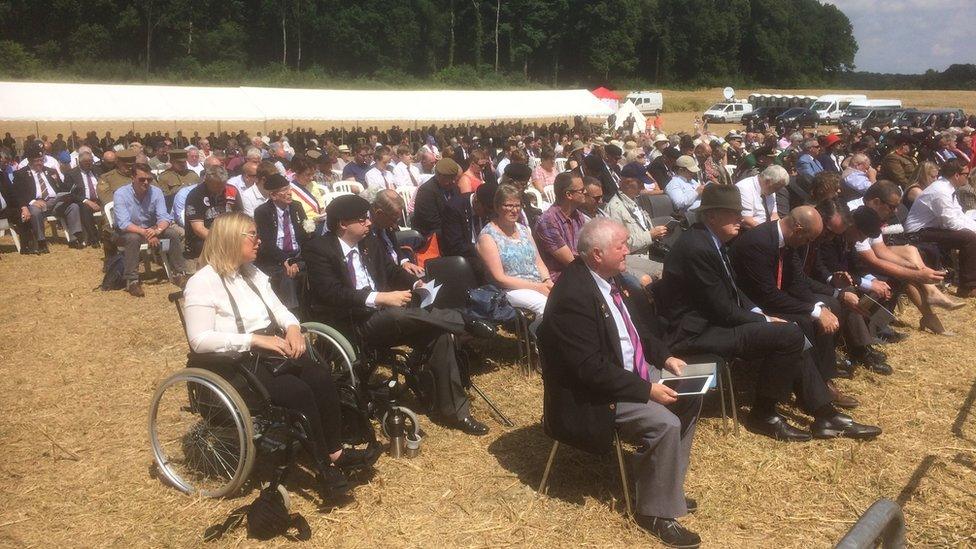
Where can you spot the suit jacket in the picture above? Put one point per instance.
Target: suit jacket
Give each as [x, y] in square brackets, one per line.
[333, 299]
[625, 210]
[25, 190]
[75, 182]
[756, 256]
[402, 252]
[807, 166]
[582, 367]
[462, 158]
[697, 291]
[429, 208]
[660, 172]
[828, 163]
[456, 227]
[266, 221]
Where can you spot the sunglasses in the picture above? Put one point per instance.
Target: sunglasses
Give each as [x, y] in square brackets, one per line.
[144, 179]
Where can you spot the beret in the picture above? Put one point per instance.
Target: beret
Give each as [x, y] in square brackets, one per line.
[275, 182]
[344, 208]
[613, 150]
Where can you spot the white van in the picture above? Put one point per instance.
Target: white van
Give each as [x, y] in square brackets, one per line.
[832, 106]
[646, 102]
[729, 111]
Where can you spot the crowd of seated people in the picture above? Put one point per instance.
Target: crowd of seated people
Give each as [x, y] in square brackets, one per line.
[770, 264]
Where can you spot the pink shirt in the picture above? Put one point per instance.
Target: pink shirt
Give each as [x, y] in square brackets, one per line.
[547, 178]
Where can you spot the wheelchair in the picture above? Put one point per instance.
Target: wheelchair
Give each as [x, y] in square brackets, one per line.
[210, 422]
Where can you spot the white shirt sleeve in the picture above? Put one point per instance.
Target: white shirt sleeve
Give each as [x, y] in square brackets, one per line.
[200, 313]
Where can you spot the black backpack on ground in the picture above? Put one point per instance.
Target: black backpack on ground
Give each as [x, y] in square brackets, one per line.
[114, 269]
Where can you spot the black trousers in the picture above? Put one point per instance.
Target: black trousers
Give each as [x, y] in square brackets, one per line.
[784, 367]
[962, 240]
[311, 391]
[88, 224]
[422, 329]
[824, 351]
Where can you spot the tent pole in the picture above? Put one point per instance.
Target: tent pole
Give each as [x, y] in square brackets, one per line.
[37, 130]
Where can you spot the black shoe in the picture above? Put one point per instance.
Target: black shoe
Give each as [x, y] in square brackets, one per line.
[775, 426]
[42, 247]
[842, 425]
[879, 368]
[691, 504]
[669, 531]
[332, 483]
[479, 328]
[29, 249]
[891, 336]
[871, 359]
[76, 245]
[845, 368]
[353, 459]
[94, 243]
[470, 426]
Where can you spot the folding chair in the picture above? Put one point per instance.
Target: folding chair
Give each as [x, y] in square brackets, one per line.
[657, 205]
[407, 194]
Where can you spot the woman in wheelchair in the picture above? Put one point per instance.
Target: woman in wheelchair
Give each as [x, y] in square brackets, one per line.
[230, 307]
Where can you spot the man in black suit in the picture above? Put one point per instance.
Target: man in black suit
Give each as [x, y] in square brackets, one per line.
[706, 312]
[464, 218]
[768, 262]
[36, 194]
[356, 287]
[385, 215]
[83, 184]
[601, 364]
[462, 153]
[280, 223]
[430, 204]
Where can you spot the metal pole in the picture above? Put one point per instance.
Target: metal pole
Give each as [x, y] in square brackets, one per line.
[507, 422]
[885, 520]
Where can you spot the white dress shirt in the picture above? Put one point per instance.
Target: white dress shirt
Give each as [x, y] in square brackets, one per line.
[752, 199]
[402, 173]
[87, 177]
[251, 198]
[362, 275]
[49, 162]
[937, 208]
[198, 169]
[376, 181]
[210, 323]
[41, 180]
[626, 345]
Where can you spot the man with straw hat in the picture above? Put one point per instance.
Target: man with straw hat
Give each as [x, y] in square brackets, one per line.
[704, 311]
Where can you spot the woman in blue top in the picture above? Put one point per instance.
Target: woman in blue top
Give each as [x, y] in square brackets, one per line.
[511, 257]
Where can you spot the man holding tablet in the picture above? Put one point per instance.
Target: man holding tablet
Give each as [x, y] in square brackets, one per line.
[601, 367]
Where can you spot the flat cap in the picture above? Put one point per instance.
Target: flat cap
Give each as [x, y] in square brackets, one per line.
[446, 166]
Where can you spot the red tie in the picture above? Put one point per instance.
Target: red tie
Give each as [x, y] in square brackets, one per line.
[779, 269]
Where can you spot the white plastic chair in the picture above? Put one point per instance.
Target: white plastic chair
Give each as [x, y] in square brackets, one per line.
[549, 193]
[407, 194]
[330, 196]
[351, 187]
[534, 162]
[537, 196]
[5, 228]
[730, 168]
[560, 164]
[337, 173]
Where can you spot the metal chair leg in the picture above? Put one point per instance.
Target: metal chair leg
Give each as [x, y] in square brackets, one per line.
[623, 473]
[735, 409]
[721, 397]
[507, 422]
[544, 485]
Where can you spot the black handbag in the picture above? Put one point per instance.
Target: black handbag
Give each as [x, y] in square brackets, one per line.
[490, 304]
[267, 517]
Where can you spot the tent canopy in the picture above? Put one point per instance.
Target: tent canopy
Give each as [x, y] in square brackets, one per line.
[50, 102]
[604, 93]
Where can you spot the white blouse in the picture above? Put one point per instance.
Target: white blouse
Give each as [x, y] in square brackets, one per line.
[210, 323]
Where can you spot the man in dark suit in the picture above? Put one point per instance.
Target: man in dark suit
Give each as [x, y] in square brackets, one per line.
[433, 196]
[40, 192]
[464, 218]
[768, 264]
[357, 288]
[385, 215]
[462, 153]
[706, 312]
[83, 184]
[601, 364]
[280, 223]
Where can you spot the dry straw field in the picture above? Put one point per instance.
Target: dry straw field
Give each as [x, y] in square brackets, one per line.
[77, 369]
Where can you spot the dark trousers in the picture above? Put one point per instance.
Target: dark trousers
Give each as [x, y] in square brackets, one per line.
[311, 391]
[962, 240]
[284, 287]
[824, 351]
[421, 329]
[784, 367]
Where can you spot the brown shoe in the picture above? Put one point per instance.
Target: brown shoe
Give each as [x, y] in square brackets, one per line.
[839, 399]
[135, 289]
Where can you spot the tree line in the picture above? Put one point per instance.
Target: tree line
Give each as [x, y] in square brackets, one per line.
[465, 43]
[955, 77]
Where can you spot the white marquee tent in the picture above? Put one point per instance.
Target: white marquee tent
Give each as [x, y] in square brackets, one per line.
[165, 107]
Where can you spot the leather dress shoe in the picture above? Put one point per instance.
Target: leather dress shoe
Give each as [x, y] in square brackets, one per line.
[470, 426]
[691, 504]
[845, 368]
[42, 247]
[842, 425]
[332, 482]
[479, 328]
[135, 289]
[669, 531]
[872, 359]
[353, 459]
[95, 243]
[891, 336]
[76, 245]
[775, 426]
[881, 367]
[840, 399]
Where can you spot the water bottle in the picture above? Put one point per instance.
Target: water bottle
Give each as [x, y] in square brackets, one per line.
[395, 425]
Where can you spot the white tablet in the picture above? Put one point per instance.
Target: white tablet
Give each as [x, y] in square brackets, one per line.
[690, 385]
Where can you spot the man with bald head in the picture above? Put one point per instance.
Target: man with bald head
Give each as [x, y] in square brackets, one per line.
[764, 264]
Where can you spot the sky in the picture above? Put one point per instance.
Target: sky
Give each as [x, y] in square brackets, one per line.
[911, 36]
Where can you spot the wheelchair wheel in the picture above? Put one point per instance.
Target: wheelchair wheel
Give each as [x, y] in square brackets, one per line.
[201, 433]
[332, 349]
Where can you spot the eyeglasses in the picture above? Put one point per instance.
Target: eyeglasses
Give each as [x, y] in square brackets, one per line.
[574, 191]
[253, 235]
[513, 207]
[144, 179]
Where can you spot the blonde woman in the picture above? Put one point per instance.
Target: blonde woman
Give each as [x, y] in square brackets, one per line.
[230, 307]
[927, 173]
